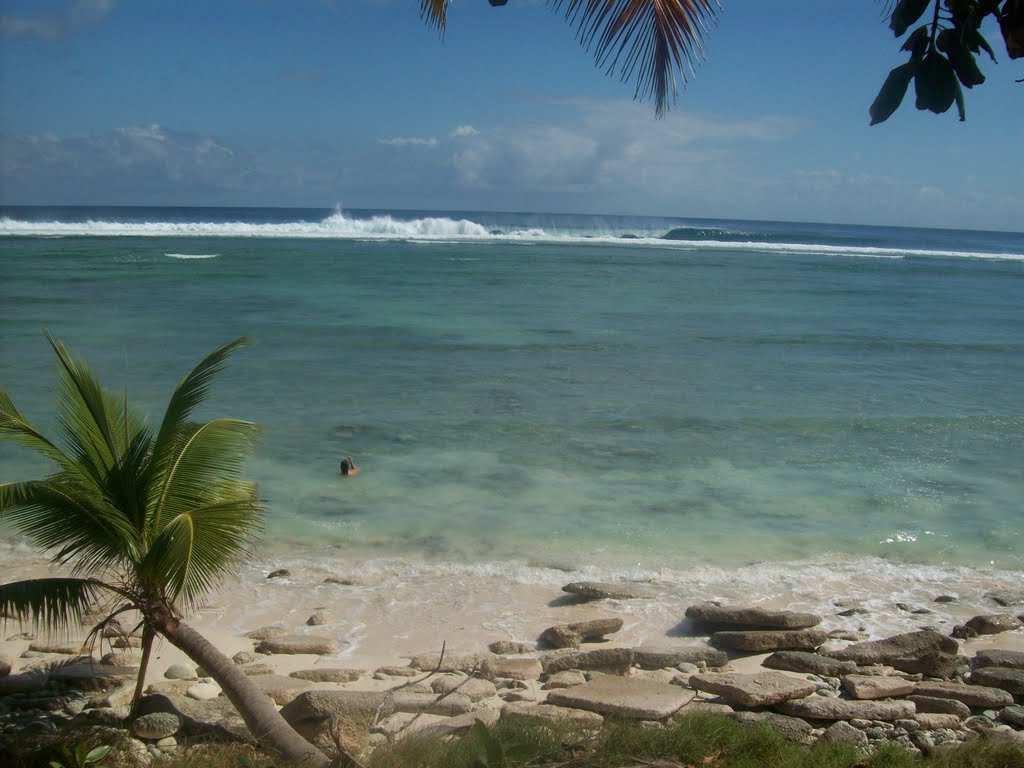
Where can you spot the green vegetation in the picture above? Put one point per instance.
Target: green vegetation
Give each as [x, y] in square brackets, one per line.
[146, 523]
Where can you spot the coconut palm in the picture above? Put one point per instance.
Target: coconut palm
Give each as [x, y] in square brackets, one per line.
[143, 522]
[646, 40]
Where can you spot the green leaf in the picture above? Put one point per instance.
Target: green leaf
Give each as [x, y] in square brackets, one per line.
[55, 604]
[891, 94]
[81, 750]
[977, 42]
[917, 43]
[493, 755]
[964, 64]
[935, 83]
[97, 754]
[906, 13]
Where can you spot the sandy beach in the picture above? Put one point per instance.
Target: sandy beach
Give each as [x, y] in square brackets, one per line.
[385, 612]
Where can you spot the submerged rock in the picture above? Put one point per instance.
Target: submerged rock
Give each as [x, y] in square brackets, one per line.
[597, 590]
[572, 635]
[299, 644]
[714, 616]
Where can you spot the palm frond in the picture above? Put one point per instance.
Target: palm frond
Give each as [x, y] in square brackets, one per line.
[13, 425]
[54, 604]
[653, 39]
[206, 467]
[195, 549]
[76, 521]
[188, 395]
[435, 13]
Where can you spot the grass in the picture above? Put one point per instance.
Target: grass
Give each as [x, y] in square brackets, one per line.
[697, 741]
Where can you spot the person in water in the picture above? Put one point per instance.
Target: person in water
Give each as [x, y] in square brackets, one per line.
[348, 467]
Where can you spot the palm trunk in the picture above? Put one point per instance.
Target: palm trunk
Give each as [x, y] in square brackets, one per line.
[257, 710]
[148, 635]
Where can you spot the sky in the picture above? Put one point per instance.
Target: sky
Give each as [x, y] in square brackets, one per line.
[357, 104]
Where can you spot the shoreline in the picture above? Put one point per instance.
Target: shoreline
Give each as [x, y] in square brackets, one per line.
[388, 611]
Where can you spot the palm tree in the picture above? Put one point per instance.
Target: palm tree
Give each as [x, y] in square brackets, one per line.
[649, 40]
[145, 523]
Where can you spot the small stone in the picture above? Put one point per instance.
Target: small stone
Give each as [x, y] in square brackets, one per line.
[471, 687]
[936, 721]
[279, 573]
[447, 662]
[180, 672]
[156, 725]
[945, 599]
[566, 679]
[979, 723]
[118, 659]
[245, 657]
[793, 728]
[257, 668]
[940, 706]
[1007, 597]
[167, 744]
[396, 672]
[317, 619]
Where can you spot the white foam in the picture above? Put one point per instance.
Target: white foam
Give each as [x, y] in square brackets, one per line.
[430, 230]
[192, 255]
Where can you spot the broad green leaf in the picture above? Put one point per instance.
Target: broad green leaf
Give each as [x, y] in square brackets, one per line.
[906, 13]
[935, 83]
[891, 94]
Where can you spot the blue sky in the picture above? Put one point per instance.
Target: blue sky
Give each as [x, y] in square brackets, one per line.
[355, 103]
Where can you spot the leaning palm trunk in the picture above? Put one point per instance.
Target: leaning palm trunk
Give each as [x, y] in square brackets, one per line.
[256, 709]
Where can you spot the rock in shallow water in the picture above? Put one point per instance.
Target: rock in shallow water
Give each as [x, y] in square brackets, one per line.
[299, 644]
[597, 590]
[713, 616]
[572, 635]
[761, 641]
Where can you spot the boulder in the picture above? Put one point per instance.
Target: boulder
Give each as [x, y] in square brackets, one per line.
[396, 671]
[939, 706]
[180, 672]
[447, 662]
[841, 732]
[280, 573]
[660, 657]
[566, 679]
[624, 697]
[809, 663]
[877, 687]
[614, 661]
[971, 695]
[156, 725]
[761, 641]
[825, 708]
[216, 720]
[246, 657]
[997, 658]
[69, 648]
[513, 669]
[266, 633]
[551, 714]
[1011, 680]
[1007, 597]
[280, 688]
[597, 590]
[203, 691]
[991, 624]
[299, 644]
[793, 728]
[1013, 715]
[510, 648]
[936, 721]
[752, 690]
[933, 664]
[5, 667]
[572, 635]
[713, 616]
[320, 714]
[897, 648]
[328, 675]
[473, 688]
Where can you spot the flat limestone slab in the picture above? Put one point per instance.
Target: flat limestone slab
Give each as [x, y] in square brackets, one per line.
[749, 617]
[824, 708]
[299, 644]
[877, 686]
[998, 658]
[762, 641]
[599, 590]
[624, 697]
[907, 645]
[971, 695]
[753, 690]
[1011, 680]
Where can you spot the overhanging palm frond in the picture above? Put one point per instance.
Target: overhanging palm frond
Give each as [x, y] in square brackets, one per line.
[206, 466]
[53, 604]
[435, 13]
[648, 39]
[14, 426]
[197, 548]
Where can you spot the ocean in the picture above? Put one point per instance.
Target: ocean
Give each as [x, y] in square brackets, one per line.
[535, 395]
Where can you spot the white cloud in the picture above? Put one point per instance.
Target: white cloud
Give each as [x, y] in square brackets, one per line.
[463, 130]
[409, 142]
[50, 26]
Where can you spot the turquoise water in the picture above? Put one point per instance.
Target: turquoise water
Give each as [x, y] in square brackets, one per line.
[562, 390]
